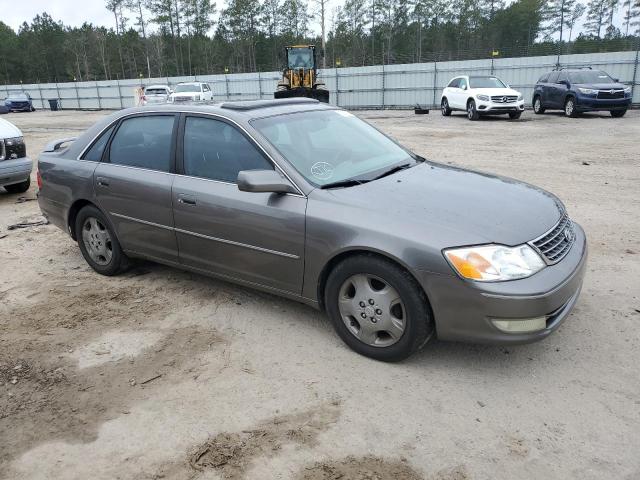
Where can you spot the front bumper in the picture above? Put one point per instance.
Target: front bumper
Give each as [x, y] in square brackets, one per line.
[19, 107]
[463, 310]
[586, 103]
[499, 107]
[15, 171]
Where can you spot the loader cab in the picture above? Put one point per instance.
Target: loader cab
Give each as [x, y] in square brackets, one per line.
[301, 57]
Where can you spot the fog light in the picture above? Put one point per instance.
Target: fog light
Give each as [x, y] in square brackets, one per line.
[521, 326]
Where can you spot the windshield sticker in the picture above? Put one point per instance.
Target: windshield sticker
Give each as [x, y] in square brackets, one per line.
[322, 170]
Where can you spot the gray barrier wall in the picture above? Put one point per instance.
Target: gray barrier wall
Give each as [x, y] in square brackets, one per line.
[378, 86]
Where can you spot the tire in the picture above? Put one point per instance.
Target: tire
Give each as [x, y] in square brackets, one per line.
[570, 108]
[514, 115]
[472, 113]
[538, 109]
[617, 113]
[444, 107]
[401, 305]
[18, 187]
[99, 240]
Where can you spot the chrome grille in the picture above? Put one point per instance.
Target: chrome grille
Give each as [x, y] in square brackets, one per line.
[504, 98]
[556, 243]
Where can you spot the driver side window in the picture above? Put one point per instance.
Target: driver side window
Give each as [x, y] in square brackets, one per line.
[463, 83]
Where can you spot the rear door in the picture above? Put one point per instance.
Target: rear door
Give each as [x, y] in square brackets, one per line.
[552, 91]
[453, 92]
[254, 237]
[133, 184]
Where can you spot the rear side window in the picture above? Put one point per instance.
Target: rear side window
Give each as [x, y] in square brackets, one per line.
[143, 142]
[218, 151]
[94, 154]
[543, 78]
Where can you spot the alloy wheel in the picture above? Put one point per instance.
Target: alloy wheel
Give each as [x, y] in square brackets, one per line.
[372, 310]
[97, 241]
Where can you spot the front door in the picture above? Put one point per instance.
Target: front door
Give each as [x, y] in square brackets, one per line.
[133, 185]
[254, 237]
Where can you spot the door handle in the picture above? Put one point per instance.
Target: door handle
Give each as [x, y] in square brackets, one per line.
[102, 181]
[186, 199]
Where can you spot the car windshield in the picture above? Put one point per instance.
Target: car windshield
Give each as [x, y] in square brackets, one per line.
[300, 58]
[187, 88]
[332, 146]
[590, 77]
[17, 96]
[486, 82]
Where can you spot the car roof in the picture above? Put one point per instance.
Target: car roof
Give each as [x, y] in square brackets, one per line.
[157, 86]
[190, 83]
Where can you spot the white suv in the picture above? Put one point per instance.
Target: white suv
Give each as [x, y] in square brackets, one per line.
[481, 95]
[191, 92]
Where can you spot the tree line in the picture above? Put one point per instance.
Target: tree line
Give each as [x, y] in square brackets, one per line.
[160, 38]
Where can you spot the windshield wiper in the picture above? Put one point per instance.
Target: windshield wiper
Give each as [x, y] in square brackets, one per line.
[344, 183]
[394, 170]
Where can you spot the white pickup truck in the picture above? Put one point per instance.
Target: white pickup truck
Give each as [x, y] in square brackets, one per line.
[15, 166]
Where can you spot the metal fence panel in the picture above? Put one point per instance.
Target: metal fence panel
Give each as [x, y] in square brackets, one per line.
[377, 86]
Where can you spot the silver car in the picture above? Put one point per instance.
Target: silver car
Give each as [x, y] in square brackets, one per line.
[155, 94]
[307, 201]
[15, 165]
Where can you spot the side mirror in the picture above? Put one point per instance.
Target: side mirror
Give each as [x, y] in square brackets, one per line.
[564, 82]
[268, 181]
[616, 80]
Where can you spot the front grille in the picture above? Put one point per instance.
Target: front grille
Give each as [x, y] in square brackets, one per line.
[556, 243]
[19, 104]
[607, 94]
[504, 98]
[182, 99]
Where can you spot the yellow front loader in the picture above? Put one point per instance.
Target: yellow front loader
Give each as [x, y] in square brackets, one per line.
[300, 77]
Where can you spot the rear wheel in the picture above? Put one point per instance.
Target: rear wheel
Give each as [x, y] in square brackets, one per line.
[472, 113]
[18, 187]
[98, 243]
[617, 113]
[537, 105]
[514, 115]
[570, 108]
[377, 308]
[444, 106]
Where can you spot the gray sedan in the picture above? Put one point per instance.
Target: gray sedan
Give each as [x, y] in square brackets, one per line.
[307, 201]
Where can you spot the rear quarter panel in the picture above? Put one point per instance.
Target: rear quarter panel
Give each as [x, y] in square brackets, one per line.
[64, 181]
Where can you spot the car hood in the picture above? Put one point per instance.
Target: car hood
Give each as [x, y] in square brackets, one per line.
[454, 206]
[601, 86]
[8, 129]
[495, 91]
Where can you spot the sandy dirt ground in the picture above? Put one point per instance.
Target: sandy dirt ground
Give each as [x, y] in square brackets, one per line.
[160, 373]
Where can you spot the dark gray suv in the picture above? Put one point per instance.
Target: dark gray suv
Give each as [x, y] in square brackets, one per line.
[307, 201]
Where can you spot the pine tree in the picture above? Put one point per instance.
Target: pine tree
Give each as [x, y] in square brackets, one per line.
[596, 16]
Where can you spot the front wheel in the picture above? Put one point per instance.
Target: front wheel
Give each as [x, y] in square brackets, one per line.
[472, 113]
[18, 187]
[570, 108]
[514, 115]
[444, 107]
[537, 106]
[98, 242]
[617, 113]
[377, 308]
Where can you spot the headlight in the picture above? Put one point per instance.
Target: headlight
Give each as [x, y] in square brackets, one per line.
[9, 142]
[484, 98]
[488, 263]
[520, 97]
[627, 90]
[588, 91]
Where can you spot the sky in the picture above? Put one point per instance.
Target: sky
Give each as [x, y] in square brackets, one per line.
[76, 12]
